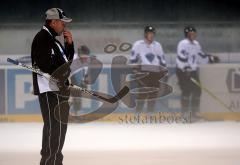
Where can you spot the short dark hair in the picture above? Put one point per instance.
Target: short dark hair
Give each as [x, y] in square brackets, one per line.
[83, 50]
[48, 22]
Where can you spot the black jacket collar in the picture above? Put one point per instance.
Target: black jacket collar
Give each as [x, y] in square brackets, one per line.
[51, 30]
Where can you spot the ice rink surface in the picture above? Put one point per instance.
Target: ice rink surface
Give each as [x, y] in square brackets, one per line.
[202, 143]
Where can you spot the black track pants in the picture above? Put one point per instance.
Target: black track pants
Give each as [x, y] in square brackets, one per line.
[54, 131]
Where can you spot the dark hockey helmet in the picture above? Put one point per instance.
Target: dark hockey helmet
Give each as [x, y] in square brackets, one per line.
[149, 29]
[188, 29]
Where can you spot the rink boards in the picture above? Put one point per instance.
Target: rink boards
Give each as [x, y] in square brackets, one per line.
[17, 103]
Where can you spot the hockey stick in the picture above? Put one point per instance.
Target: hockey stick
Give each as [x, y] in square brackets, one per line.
[74, 88]
[211, 94]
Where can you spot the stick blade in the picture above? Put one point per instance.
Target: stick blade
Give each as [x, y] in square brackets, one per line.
[119, 95]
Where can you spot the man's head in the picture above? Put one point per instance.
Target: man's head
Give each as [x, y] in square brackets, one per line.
[149, 33]
[83, 53]
[57, 19]
[190, 33]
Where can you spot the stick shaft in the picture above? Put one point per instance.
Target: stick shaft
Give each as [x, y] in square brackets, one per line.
[211, 94]
[114, 99]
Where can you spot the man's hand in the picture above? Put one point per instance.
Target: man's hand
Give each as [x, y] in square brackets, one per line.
[213, 59]
[68, 37]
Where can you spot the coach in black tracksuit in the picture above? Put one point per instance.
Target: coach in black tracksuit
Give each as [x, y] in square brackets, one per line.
[47, 55]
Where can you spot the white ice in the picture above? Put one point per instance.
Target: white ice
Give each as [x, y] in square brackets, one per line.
[109, 143]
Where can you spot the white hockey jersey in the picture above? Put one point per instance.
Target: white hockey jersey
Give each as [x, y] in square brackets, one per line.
[190, 55]
[147, 54]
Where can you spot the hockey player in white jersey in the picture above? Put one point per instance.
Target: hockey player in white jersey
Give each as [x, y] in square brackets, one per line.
[189, 56]
[147, 52]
